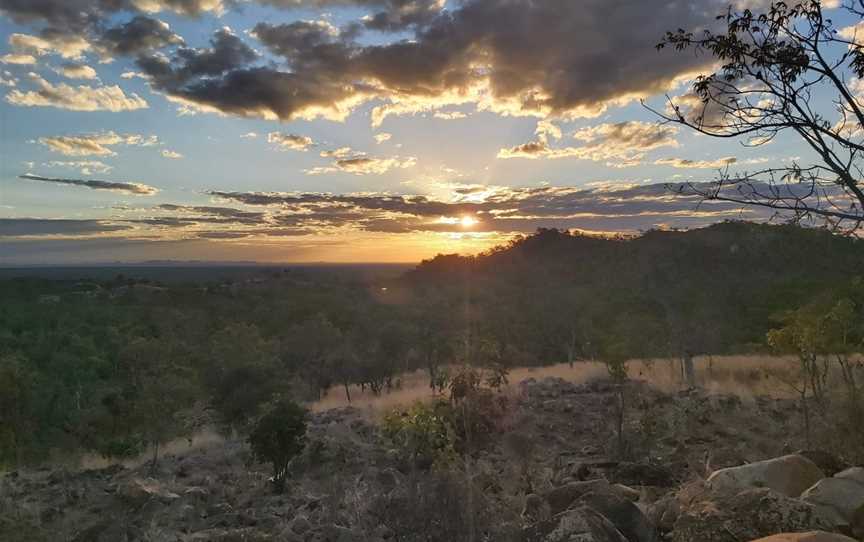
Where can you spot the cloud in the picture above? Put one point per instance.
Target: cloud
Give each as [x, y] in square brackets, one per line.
[173, 155]
[181, 7]
[696, 164]
[607, 207]
[86, 167]
[392, 15]
[360, 164]
[68, 46]
[139, 35]
[249, 135]
[18, 59]
[97, 144]
[132, 188]
[23, 227]
[473, 53]
[621, 144]
[290, 141]
[382, 137]
[7, 79]
[450, 115]
[80, 98]
[72, 70]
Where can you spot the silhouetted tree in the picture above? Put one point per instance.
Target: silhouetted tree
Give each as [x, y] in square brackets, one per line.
[774, 65]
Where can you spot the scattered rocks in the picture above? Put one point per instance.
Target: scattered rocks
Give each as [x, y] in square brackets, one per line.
[748, 515]
[842, 498]
[581, 525]
[812, 536]
[137, 491]
[789, 475]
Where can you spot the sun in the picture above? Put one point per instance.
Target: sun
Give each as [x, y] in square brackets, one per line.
[468, 221]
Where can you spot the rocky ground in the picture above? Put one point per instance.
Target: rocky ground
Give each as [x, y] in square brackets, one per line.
[709, 468]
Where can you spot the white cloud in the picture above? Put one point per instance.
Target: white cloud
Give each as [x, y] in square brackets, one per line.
[18, 59]
[290, 141]
[80, 98]
[67, 46]
[76, 71]
[382, 137]
[171, 154]
[249, 135]
[95, 144]
[86, 167]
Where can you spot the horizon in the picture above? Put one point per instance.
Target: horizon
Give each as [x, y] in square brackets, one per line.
[295, 131]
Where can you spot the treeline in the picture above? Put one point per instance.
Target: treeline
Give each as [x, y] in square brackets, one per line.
[113, 366]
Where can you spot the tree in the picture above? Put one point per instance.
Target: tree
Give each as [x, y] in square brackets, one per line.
[278, 436]
[17, 423]
[773, 66]
[160, 388]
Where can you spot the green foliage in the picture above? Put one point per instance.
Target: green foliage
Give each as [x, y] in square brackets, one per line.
[424, 433]
[278, 436]
[111, 365]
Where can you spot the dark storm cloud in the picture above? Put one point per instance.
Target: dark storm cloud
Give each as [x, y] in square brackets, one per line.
[19, 227]
[139, 35]
[555, 57]
[132, 188]
[388, 15]
[72, 15]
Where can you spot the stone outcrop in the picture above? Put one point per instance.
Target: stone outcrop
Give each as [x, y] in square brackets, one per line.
[789, 475]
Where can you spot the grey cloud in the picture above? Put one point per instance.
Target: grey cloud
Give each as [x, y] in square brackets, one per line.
[19, 227]
[139, 35]
[132, 188]
[555, 57]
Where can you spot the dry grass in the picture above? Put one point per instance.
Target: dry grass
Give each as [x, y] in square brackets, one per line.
[745, 376]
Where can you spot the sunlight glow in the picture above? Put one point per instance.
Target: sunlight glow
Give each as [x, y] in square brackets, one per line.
[468, 221]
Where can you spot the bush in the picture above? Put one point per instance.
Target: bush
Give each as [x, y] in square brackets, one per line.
[424, 433]
[278, 436]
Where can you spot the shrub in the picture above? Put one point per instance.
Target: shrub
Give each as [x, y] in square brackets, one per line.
[424, 433]
[278, 436]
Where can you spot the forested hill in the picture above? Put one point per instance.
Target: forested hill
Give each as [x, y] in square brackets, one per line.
[716, 289]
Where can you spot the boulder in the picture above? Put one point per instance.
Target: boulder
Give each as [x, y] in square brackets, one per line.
[536, 509]
[812, 536]
[138, 491]
[623, 514]
[855, 474]
[748, 515]
[562, 497]
[843, 498]
[789, 475]
[828, 462]
[643, 474]
[580, 524]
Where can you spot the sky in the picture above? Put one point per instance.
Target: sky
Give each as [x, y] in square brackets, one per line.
[346, 130]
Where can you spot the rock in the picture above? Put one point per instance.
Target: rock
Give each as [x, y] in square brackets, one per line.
[812, 536]
[137, 491]
[664, 513]
[536, 508]
[748, 515]
[300, 525]
[627, 492]
[828, 462]
[623, 514]
[855, 473]
[562, 497]
[580, 525]
[790, 475]
[842, 497]
[643, 474]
